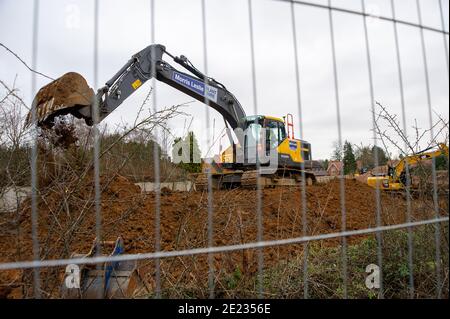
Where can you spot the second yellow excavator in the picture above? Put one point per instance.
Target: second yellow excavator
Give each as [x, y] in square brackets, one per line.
[397, 179]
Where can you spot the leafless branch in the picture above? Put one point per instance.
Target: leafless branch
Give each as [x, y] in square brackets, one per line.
[24, 63]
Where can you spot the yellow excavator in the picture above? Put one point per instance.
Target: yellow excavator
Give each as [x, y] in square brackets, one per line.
[266, 151]
[396, 179]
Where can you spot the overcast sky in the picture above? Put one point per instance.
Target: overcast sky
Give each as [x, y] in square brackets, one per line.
[65, 43]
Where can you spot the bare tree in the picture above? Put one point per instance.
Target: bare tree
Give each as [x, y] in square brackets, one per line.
[65, 175]
[390, 133]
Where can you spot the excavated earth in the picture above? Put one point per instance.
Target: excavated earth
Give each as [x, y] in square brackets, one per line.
[62, 89]
[66, 224]
[59, 96]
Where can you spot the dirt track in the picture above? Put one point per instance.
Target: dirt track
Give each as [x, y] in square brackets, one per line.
[67, 227]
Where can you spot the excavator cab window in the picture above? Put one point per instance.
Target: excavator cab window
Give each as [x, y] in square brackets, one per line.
[275, 132]
[281, 132]
[253, 133]
[252, 141]
[390, 171]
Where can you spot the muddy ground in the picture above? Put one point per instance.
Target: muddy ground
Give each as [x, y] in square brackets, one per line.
[67, 225]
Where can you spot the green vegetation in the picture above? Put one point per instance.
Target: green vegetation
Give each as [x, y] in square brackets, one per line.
[441, 162]
[366, 155]
[349, 159]
[325, 277]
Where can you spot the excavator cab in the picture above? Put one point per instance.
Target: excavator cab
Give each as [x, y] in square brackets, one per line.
[390, 171]
[265, 134]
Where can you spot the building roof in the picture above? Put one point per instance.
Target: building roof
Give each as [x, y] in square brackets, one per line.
[337, 164]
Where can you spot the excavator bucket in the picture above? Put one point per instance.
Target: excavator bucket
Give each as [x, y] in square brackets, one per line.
[68, 94]
[110, 280]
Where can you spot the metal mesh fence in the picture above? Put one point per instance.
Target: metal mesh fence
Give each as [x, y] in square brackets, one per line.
[260, 244]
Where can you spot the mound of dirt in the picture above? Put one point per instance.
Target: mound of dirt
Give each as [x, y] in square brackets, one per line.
[67, 224]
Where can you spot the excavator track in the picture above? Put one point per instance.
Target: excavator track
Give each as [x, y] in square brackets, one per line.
[201, 182]
[249, 179]
[219, 180]
[283, 177]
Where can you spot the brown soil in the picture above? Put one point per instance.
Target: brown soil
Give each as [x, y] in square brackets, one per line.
[67, 225]
[61, 89]
[62, 135]
[68, 91]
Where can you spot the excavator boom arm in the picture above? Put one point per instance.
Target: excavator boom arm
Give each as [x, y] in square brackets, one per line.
[423, 155]
[148, 64]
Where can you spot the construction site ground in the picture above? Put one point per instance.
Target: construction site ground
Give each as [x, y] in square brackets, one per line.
[67, 224]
